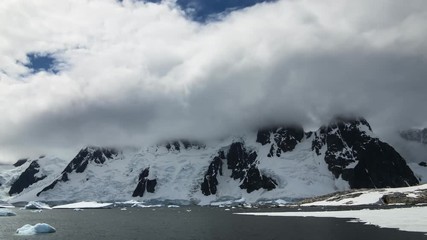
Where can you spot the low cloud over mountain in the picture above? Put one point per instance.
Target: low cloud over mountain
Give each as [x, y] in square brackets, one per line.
[130, 72]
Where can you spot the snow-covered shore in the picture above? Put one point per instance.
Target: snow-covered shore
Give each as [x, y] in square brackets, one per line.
[416, 195]
[405, 219]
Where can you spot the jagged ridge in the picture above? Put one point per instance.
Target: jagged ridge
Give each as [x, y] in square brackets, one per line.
[347, 147]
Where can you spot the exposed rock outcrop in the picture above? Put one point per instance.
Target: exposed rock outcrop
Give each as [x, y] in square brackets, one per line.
[243, 166]
[28, 177]
[144, 184]
[282, 139]
[364, 161]
[79, 163]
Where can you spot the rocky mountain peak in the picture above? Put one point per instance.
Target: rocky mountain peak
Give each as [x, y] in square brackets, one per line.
[282, 139]
[180, 144]
[353, 154]
[90, 154]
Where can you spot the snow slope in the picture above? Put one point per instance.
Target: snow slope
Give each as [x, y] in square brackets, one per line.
[49, 167]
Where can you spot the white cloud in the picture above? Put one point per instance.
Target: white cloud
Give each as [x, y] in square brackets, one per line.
[139, 72]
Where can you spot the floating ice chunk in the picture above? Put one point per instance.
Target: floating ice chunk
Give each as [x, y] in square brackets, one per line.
[6, 205]
[84, 205]
[37, 211]
[6, 213]
[123, 209]
[247, 205]
[149, 206]
[36, 205]
[78, 209]
[173, 206]
[281, 202]
[28, 229]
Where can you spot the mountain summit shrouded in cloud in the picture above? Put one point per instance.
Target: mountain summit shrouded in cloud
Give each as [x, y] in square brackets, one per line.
[132, 72]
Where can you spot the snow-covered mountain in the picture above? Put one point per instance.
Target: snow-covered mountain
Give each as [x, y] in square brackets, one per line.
[28, 174]
[276, 162]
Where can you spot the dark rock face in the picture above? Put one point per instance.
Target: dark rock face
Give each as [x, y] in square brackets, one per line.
[89, 154]
[284, 139]
[415, 135]
[381, 166]
[144, 184]
[210, 181]
[243, 166]
[178, 145]
[27, 178]
[80, 162]
[378, 164]
[20, 162]
[423, 164]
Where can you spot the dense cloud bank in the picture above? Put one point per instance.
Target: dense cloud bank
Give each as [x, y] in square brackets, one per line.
[133, 73]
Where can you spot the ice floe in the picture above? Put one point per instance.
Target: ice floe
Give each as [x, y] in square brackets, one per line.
[83, 205]
[28, 229]
[6, 213]
[173, 206]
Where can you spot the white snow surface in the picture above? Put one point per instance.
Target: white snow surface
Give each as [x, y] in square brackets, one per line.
[405, 219]
[28, 229]
[6, 213]
[366, 197]
[37, 205]
[82, 205]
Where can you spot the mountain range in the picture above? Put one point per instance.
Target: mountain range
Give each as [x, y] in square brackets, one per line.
[277, 162]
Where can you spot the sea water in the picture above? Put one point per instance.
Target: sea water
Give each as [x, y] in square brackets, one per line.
[189, 223]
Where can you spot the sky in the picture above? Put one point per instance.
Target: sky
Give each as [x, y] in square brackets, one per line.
[116, 73]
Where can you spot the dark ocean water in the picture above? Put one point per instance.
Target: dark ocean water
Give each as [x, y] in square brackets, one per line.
[190, 223]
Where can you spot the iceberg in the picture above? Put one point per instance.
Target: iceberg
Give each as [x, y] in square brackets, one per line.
[36, 205]
[173, 206]
[28, 229]
[6, 213]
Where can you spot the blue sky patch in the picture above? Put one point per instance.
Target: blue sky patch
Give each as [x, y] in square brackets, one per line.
[41, 62]
[206, 10]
